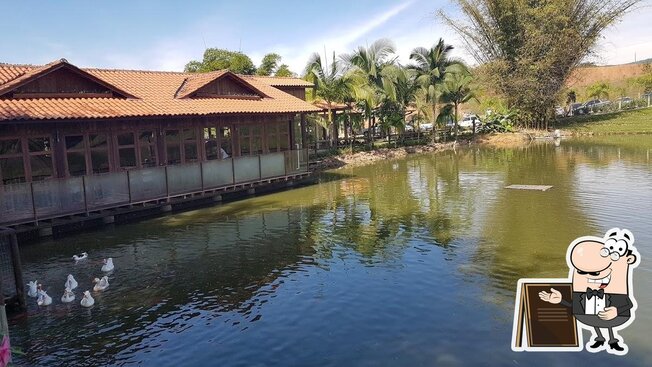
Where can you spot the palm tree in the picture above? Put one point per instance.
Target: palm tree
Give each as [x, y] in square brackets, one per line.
[329, 83]
[405, 89]
[431, 66]
[456, 91]
[369, 71]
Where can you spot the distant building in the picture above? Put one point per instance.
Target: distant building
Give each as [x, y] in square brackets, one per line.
[75, 140]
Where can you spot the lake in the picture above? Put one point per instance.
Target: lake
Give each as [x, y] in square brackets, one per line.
[409, 262]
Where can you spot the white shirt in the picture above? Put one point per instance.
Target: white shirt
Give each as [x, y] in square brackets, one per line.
[594, 305]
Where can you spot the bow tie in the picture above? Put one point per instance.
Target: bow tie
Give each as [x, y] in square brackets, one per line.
[593, 292]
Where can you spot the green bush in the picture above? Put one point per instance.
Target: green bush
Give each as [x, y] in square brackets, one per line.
[499, 122]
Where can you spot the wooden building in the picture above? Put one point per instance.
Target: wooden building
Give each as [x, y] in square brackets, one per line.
[75, 140]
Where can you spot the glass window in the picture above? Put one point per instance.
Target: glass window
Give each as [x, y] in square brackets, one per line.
[39, 144]
[210, 143]
[190, 150]
[172, 147]
[272, 137]
[225, 142]
[76, 163]
[257, 140]
[127, 157]
[10, 147]
[100, 161]
[211, 149]
[97, 141]
[75, 142]
[190, 145]
[12, 170]
[189, 135]
[148, 155]
[147, 137]
[173, 154]
[147, 142]
[99, 153]
[41, 167]
[245, 141]
[126, 139]
[283, 136]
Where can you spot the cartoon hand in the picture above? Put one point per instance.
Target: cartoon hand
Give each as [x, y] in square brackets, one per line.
[554, 297]
[609, 313]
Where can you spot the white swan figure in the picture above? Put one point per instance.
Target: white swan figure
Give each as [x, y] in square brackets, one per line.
[71, 282]
[43, 298]
[87, 300]
[68, 296]
[101, 284]
[33, 291]
[83, 256]
[108, 265]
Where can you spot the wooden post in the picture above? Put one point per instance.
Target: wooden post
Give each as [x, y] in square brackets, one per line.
[336, 130]
[304, 137]
[18, 271]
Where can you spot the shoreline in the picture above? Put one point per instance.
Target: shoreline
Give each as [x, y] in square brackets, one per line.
[495, 140]
[500, 140]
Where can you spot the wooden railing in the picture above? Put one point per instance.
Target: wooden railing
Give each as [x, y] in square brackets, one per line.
[33, 201]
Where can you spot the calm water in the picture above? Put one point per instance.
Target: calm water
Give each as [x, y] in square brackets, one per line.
[411, 262]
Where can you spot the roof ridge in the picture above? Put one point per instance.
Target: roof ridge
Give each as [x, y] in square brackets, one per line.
[141, 71]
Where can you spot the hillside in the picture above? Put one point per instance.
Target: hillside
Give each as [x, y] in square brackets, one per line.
[614, 75]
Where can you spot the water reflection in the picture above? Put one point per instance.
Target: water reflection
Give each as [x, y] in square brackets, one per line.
[406, 262]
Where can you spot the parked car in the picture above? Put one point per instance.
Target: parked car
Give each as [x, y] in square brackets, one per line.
[595, 104]
[578, 109]
[467, 121]
[623, 101]
[426, 126]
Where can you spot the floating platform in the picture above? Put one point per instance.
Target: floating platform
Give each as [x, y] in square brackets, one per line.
[529, 187]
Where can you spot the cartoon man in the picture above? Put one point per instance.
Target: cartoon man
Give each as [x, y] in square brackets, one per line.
[601, 273]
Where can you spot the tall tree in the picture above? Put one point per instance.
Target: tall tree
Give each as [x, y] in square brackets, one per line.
[221, 59]
[330, 86]
[432, 65]
[284, 71]
[269, 64]
[531, 47]
[369, 72]
[456, 91]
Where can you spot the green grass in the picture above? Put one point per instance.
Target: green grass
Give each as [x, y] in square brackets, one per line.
[626, 122]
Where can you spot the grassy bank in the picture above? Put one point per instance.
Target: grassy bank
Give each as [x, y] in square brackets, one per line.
[627, 122]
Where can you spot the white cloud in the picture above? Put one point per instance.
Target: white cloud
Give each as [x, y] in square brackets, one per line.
[339, 39]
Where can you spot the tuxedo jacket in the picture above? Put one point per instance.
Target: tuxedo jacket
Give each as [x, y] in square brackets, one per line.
[621, 301]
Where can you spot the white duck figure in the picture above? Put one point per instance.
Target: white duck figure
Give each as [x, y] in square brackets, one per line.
[82, 256]
[71, 282]
[43, 298]
[108, 265]
[33, 290]
[87, 300]
[68, 296]
[101, 284]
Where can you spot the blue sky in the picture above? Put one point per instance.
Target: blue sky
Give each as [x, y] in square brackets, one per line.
[164, 35]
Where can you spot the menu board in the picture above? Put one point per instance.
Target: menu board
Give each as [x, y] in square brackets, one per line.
[544, 324]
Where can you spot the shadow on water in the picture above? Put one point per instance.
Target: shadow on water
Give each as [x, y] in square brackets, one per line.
[405, 262]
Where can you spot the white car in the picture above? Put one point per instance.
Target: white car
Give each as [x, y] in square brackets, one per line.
[426, 126]
[467, 122]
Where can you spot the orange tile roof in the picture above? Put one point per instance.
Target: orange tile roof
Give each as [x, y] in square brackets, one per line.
[277, 81]
[156, 94]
